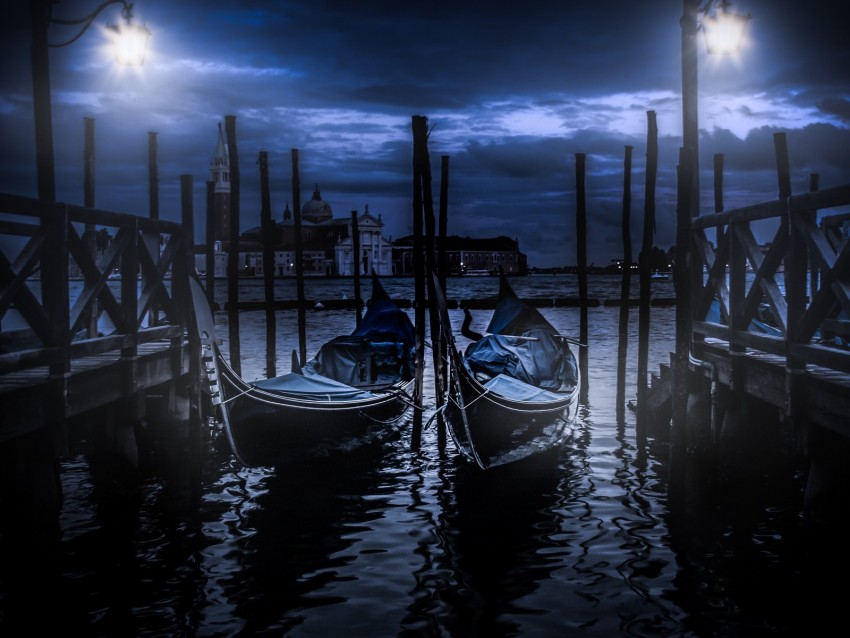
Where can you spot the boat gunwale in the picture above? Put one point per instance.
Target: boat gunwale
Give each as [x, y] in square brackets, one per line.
[395, 391]
[494, 397]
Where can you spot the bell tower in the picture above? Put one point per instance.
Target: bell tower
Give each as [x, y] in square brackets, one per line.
[220, 175]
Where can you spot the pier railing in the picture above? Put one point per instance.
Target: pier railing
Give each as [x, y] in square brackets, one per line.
[46, 247]
[807, 314]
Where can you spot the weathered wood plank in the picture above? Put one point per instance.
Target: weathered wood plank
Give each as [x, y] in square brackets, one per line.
[92, 382]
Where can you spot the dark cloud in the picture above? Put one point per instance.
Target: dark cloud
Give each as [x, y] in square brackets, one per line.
[836, 106]
[512, 93]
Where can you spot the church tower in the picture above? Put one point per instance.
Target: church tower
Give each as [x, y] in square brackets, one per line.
[220, 175]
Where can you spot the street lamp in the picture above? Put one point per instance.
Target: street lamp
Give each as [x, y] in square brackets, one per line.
[130, 42]
[724, 32]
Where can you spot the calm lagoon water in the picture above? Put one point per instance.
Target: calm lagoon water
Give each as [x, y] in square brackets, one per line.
[587, 542]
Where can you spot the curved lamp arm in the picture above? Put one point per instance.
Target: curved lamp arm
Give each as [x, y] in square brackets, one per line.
[126, 13]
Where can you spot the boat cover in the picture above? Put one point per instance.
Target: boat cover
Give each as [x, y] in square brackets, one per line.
[312, 386]
[517, 390]
[357, 360]
[384, 317]
[539, 358]
[713, 315]
[379, 351]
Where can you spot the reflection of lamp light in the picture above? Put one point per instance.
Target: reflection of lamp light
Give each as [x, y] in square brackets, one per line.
[131, 46]
[724, 33]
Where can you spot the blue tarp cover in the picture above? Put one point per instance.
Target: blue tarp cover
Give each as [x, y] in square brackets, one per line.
[312, 386]
[521, 344]
[518, 391]
[379, 351]
[384, 317]
[539, 358]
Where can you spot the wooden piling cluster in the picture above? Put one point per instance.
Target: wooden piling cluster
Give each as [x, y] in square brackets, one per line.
[723, 370]
[429, 257]
[803, 369]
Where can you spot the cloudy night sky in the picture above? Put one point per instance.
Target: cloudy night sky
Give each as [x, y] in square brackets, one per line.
[512, 92]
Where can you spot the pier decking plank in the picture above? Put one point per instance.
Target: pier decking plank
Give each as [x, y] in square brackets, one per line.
[31, 398]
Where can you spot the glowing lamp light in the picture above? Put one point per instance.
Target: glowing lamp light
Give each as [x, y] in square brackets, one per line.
[131, 51]
[724, 31]
[129, 43]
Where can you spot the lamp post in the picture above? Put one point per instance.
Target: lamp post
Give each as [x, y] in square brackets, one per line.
[723, 35]
[724, 32]
[130, 42]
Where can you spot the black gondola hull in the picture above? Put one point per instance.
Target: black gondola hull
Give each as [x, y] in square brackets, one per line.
[505, 418]
[493, 431]
[352, 395]
[266, 430]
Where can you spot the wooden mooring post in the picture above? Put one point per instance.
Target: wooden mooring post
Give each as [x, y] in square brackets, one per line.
[88, 202]
[431, 269]
[442, 267]
[680, 358]
[356, 264]
[644, 266]
[581, 260]
[209, 252]
[233, 266]
[420, 136]
[625, 286]
[299, 258]
[269, 237]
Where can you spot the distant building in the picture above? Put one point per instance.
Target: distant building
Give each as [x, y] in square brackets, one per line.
[220, 179]
[326, 243]
[467, 256]
[220, 176]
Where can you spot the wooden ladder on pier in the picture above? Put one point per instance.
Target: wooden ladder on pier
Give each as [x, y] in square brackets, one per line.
[659, 395]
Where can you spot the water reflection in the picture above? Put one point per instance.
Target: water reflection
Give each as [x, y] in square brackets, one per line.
[296, 535]
[593, 540]
[502, 534]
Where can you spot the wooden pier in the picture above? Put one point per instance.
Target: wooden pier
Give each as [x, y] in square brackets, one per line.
[89, 334]
[766, 329]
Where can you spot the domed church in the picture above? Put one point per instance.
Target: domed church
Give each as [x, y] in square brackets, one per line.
[326, 243]
[316, 210]
[327, 247]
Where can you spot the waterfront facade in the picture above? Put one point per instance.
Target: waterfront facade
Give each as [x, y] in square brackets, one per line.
[327, 242]
[327, 245]
[467, 256]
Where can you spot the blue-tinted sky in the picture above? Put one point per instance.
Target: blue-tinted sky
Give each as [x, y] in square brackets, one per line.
[512, 91]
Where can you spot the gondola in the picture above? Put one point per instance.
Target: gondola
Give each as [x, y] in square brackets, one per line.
[513, 393]
[352, 394]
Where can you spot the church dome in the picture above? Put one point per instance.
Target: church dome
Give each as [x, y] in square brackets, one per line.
[316, 210]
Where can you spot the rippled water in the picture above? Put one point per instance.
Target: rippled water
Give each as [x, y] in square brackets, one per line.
[587, 542]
